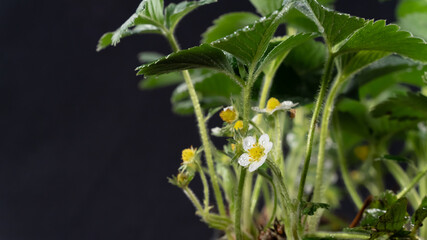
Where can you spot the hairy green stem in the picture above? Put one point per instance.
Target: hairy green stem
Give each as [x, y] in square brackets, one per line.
[343, 166]
[193, 198]
[292, 227]
[238, 204]
[413, 183]
[310, 139]
[273, 213]
[205, 186]
[268, 80]
[202, 130]
[338, 235]
[319, 186]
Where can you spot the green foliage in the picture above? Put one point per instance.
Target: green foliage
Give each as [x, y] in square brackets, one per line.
[412, 16]
[394, 218]
[266, 7]
[411, 106]
[251, 42]
[420, 214]
[203, 56]
[213, 89]
[227, 24]
[150, 17]
[309, 208]
[378, 36]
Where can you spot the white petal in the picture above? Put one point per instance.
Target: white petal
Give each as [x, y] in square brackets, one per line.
[264, 139]
[248, 142]
[267, 147]
[257, 109]
[228, 108]
[244, 159]
[255, 165]
[287, 105]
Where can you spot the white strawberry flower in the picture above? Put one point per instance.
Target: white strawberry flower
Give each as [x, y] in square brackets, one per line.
[274, 105]
[255, 152]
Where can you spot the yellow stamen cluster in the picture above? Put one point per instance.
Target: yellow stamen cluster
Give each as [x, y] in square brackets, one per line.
[256, 153]
[228, 115]
[188, 154]
[238, 125]
[272, 104]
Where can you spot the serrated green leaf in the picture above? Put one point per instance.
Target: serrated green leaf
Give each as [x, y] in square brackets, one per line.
[309, 208]
[227, 24]
[203, 56]
[394, 218]
[334, 26]
[421, 213]
[411, 106]
[113, 38]
[281, 49]
[251, 42]
[264, 7]
[164, 80]
[378, 36]
[175, 12]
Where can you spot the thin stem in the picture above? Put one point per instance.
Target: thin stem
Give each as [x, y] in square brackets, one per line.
[268, 80]
[338, 235]
[193, 198]
[202, 130]
[413, 183]
[319, 186]
[273, 213]
[310, 139]
[205, 186]
[278, 142]
[343, 166]
[403, 180]
[238, 204]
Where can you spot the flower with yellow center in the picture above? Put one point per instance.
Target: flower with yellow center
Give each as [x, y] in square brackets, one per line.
[255, 152]
[188, 155]
[238, 125]
[228, 114]
[273, 105]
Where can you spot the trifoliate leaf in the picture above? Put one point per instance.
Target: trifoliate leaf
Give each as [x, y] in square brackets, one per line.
[227, 24]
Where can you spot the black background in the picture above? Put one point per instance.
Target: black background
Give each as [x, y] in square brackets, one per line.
[83, 153]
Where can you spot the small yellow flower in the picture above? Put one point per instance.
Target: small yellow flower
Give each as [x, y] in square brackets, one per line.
[228, 114]
[273, 105]
[238, 125]
[188, 154]
[256, 152]
[362, 152]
